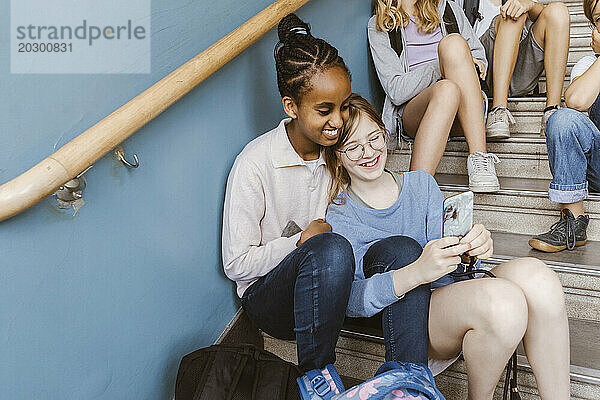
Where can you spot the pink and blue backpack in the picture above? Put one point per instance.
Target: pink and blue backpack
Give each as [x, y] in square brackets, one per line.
[392, 381]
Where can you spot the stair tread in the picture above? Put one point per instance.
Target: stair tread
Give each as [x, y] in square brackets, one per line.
[513, 245]
[350, 382]
[585, 347]
[508, 185]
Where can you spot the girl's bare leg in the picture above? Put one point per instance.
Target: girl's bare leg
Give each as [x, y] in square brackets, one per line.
[486, 318]
[547, 337]
[551, 31]
[456, 64]
[428, 118]
[506, 49]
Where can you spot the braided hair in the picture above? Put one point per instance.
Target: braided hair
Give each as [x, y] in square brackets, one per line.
[299, 56]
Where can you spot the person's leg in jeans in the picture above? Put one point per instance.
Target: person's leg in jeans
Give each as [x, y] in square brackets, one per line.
[574, 154]
[594, 162]
[404, 322]
[305, 298]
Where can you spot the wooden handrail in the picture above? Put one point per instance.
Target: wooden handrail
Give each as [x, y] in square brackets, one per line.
[76, 156]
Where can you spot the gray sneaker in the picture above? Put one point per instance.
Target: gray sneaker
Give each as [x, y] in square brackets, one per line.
[567, 233]
[548, 111]
[482, 172]
[498, 123]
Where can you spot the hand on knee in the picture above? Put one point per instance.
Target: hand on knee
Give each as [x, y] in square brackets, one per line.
[511, 25]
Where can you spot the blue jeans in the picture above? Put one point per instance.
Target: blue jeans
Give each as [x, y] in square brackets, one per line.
[404, 323]
[573, 142]
[305, 298]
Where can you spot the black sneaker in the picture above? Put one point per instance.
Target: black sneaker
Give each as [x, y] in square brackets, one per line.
[567, 233]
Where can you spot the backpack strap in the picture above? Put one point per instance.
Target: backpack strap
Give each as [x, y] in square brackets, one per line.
[395, 37]
[471, 9]
[450, 20]
[320, 384]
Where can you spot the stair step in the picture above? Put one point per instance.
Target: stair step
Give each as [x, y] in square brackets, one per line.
[580, 26]
[521, 206]
[360, 351]
[582, 260]
[525, 157]
[568, 3]
[577, 53]
[578, 18]
[527, 112]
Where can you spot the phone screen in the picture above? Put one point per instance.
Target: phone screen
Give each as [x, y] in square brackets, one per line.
[458, 214]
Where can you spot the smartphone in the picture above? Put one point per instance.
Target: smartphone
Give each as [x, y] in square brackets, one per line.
[458, 214]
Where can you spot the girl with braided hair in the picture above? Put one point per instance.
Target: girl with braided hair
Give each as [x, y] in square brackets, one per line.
[292, 274]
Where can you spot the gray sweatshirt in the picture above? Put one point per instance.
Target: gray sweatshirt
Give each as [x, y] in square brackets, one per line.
[400, 84]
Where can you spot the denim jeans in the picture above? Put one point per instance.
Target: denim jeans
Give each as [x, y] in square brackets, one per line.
[305, 298]
[404, 323]
[573, 141]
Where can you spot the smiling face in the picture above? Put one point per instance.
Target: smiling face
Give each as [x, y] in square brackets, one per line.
[321, 111]
[371, 136]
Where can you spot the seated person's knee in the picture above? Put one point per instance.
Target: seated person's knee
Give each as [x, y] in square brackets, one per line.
[501, 309]
[453, 45]
[561, 123]
[447, 91]
[556, 13]
[395, 252]
[333, 250]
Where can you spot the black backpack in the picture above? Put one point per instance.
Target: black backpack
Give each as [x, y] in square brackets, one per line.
[241, 372]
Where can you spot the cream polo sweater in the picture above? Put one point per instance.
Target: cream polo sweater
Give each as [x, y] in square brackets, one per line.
[269, 185]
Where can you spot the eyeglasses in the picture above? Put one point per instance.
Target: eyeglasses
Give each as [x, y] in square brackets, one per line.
[356, 151]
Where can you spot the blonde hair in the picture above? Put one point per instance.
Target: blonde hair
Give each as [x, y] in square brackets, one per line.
[588, 9]
[390, 15]
[340, 179]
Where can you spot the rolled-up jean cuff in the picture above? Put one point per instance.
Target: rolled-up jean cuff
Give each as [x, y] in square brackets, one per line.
[567, 194]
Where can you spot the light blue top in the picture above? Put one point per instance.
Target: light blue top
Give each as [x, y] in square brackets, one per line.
[417, 213]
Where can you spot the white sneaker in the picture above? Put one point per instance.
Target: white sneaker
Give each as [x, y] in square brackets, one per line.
[498, 123]
[482, 172]
[547, 113]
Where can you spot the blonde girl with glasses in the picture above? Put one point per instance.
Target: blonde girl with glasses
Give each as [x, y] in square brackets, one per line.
[429, 62]
[394, 224]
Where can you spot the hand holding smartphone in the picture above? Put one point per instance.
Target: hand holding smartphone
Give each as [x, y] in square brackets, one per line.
[458, 215]
[458, 222]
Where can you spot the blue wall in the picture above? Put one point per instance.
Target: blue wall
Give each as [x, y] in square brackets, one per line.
[104, 304]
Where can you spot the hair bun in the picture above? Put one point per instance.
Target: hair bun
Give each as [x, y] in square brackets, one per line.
[290, 26]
